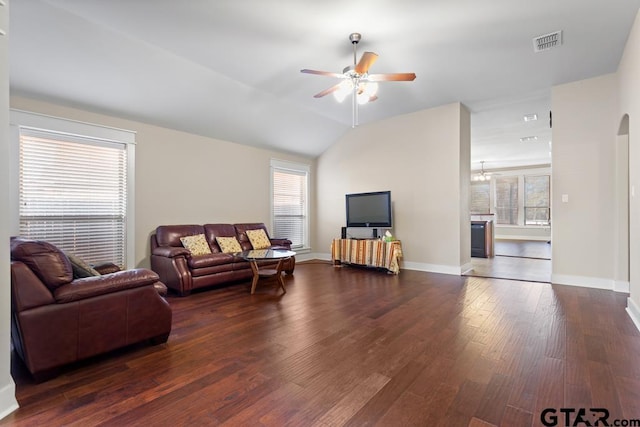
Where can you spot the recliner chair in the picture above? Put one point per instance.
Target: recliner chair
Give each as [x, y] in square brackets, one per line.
[56, 319]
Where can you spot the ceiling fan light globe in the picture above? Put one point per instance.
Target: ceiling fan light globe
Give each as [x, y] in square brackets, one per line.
[363, 98]
[339, 95]
[346, 86]
[371, 88]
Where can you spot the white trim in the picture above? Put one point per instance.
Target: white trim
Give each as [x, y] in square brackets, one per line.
[429, 268]
[46, 123]
[313, 256]
[516, 237]
[436, 268]
[19, 119]
[295, 167]
[584, 281]
[634, 312]
[8, 402]
[621, 286]
[466, 268]
[292, 166]
[130, 243]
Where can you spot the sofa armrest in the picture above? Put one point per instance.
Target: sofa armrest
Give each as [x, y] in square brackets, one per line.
[106, 268]
[281, 242]
[170, 251]
[89, 287]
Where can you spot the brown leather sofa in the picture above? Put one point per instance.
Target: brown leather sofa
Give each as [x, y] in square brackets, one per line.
[56, 320]
[183, 272]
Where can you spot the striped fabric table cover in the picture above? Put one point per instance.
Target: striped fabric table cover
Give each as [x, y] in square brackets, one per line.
[370, 252]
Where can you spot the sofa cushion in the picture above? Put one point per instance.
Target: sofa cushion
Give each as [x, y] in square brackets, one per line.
[228, 244]
[197, 244]
[209, 260]
[258, 239]
[49, 263]
[80, 267]
[211, 231]
[169, 235]
[241, 232]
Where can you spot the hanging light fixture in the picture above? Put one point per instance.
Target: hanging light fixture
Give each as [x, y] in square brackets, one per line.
[482, 176]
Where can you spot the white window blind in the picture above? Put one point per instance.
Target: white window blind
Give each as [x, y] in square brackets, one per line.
[507, 200]
[289, 203]
[73, 193]
[480, 201]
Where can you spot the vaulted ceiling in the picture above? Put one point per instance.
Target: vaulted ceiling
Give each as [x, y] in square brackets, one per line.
[230, 69]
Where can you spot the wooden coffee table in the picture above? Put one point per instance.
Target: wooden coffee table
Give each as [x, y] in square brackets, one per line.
[255, 255]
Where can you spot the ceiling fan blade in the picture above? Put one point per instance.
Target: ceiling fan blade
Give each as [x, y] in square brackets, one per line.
[367, 60]
[392, 77]
[327, 91]
[322, 73]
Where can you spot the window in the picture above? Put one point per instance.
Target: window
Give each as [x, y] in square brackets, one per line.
[536, 200]
[73, 192]
[289, 187]
[507, 200]
[480, 191]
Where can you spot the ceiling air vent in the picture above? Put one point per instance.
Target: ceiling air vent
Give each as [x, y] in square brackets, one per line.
[528, 138]
[547, 41]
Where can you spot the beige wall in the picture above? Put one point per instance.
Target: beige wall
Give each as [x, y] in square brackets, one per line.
[629, 89]
[183, 178]
[423, 159]
[7, 387]
[584, 137]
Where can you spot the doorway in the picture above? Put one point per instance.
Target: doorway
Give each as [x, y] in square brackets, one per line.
[527, 260]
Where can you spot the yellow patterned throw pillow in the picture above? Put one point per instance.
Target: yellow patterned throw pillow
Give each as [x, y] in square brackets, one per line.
[197, 244]
[258, 239]
[228, 245]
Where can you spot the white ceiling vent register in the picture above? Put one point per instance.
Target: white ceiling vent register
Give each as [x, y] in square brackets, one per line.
[547, 41]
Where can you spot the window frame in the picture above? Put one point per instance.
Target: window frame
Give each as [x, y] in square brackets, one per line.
[521, 174]
[298, 168]
[41, 123]
[548, 205]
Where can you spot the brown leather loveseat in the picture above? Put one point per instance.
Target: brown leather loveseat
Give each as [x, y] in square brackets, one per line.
[182, 272]
[56, 319]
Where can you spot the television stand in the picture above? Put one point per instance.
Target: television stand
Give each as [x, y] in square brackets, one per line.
[367, 252]
[345, 235]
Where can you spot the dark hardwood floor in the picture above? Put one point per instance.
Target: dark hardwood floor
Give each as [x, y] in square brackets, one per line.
[350, 346]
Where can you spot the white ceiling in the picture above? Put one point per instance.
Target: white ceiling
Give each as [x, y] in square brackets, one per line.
[230, 69]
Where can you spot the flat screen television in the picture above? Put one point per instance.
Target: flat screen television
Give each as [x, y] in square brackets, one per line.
[369, 209]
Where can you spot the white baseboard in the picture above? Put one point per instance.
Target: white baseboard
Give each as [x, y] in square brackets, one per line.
[621, 286]
[516, 237]
[312, 256]
[634, 312]
[466, 268]
[584, 281]
[405, 265]
[437, 268]
[8, 402]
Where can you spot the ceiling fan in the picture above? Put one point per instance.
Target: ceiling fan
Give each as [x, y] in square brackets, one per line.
[357, 80]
